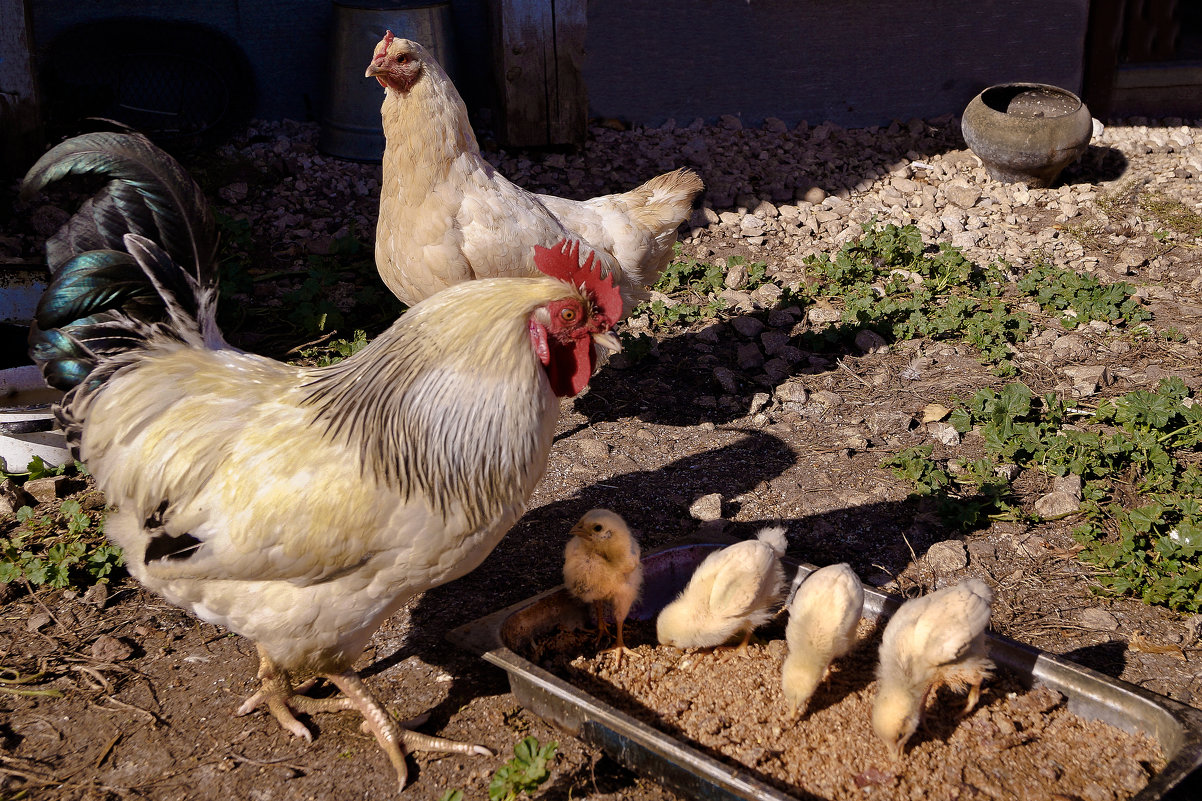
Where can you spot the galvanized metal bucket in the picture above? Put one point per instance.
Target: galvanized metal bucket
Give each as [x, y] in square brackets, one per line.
[350, 122]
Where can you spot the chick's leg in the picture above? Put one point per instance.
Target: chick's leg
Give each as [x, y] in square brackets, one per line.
[393, 738]
[602, 622]
[621, 610]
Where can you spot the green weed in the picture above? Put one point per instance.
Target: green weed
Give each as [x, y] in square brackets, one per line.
[1137, 457]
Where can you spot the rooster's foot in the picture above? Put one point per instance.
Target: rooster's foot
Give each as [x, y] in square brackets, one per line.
[284, 701]
[393, 737]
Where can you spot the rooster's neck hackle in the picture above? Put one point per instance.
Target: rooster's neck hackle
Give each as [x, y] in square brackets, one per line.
[450, 402]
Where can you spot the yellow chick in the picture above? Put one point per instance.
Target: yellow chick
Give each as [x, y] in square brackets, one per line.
[731, 592]
[601, 563]
[933, 640]
[823, 616]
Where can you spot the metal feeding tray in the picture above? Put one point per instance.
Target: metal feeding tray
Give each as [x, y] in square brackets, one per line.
[500, 636]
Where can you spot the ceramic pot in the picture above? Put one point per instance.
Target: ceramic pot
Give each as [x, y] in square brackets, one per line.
[1026, 131]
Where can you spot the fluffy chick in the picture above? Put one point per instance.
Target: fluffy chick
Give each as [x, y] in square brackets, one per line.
[933, 640]
[731, 592]
[601, 564]
[822, 624]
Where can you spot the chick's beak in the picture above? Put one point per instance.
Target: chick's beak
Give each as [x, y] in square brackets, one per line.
[607, 342]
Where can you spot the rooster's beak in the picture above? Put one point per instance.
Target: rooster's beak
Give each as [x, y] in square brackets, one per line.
[608, 342]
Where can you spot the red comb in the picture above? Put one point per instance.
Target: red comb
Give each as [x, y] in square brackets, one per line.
[562, 261]
[388, 37]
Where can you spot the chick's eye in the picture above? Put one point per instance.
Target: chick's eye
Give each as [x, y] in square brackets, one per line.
[568, 315]
[597, 527]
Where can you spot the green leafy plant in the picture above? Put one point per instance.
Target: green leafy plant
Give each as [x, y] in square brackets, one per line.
[335, 350]
[525, 772]
[56, 548]
[1083, 296]
[1141, 522]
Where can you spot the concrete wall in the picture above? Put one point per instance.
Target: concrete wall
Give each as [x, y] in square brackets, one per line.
[287, 42]
[853, 62]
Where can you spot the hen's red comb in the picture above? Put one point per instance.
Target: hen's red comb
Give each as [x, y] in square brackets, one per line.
[562, 261]
[388, 37]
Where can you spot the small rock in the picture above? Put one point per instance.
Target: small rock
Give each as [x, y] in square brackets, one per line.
[108, 648]
[947, 556]
[47, 489]
[1087, 379]
[593, 449]
[725, 377]
[814, 195]
[749, 356]
[774, 341]
[13, 497]
[945, 433]
[1055, 504]
[821, 314]
[962, 195]
[871, 342]
[1069, 485]
[1007, 471]
[36, 620]
[758, 401]
[736, 276]
[97, 595]
[747, 326]
[707, 507]
[792, 392]
[1099, 619]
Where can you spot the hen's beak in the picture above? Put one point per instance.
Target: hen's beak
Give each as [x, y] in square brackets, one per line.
[376, 67]
[608, 342]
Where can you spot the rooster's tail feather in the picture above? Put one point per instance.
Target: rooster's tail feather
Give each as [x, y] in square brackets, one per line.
[117, 278]
[148, 193]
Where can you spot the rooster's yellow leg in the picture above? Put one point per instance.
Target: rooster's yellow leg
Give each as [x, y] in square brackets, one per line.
[283, 700]
[394, 739]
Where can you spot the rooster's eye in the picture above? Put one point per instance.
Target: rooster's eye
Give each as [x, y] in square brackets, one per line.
[567, 315]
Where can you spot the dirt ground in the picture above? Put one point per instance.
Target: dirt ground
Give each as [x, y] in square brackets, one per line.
[151, 715]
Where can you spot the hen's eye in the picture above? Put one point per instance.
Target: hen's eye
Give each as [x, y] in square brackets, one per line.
[403, 58]
[568, 316]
